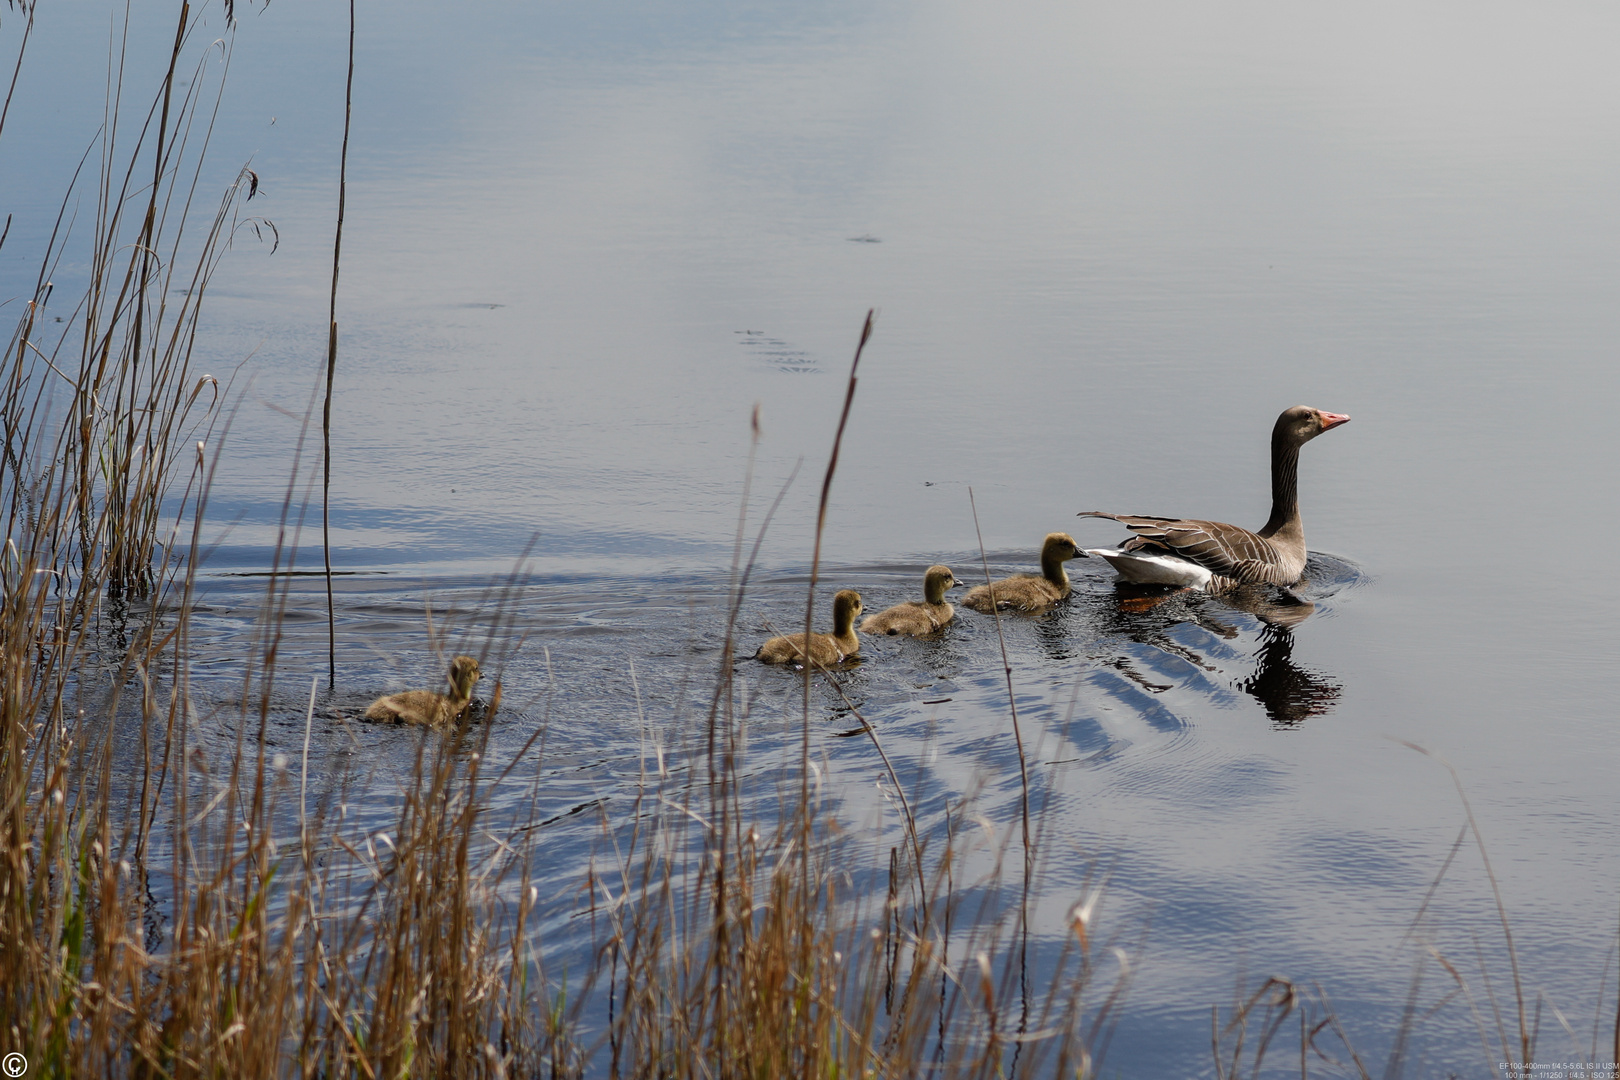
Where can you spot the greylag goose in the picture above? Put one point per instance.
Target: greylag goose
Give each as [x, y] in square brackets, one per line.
[824, 650]
[426, 707]
[916, 619]
[1214, 556]
[1029, 592]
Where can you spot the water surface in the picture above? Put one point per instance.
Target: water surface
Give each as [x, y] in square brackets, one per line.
[1107, 245]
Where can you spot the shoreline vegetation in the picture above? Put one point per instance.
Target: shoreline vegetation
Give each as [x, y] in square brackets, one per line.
[170, 909]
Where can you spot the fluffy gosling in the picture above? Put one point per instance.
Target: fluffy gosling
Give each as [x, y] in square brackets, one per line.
[426, 707]
[916, 619]
[1029, 592]
[824, 650]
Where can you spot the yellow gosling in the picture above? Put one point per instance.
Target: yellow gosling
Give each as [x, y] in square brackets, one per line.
[426, 707]
[916, 619]
[1029, 592]
[824, 650]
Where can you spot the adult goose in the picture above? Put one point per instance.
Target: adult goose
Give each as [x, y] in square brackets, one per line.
[914, 618]
[822, 650]
[1029, 592]
[1214, 556]
[426, 707]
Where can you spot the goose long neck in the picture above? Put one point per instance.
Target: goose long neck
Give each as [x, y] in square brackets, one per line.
[934, 590]
[1284, 489]
[843, 620]
[1052, 567]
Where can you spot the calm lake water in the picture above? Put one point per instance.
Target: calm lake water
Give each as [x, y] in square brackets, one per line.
[1108, 244]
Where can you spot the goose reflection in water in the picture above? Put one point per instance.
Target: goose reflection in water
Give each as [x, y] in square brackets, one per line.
[1288, 693]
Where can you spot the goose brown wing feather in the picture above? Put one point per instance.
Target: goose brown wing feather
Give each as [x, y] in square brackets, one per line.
[1220, 548]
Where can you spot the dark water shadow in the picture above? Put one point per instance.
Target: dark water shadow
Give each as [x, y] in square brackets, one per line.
[1287, 692]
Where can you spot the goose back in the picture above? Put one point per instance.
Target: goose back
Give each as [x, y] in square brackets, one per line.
[1029, 592]
[917, 618]
[819, 650]
[1225, 551]
[425, 707]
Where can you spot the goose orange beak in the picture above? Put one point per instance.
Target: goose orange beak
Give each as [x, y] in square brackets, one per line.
[1331, 420]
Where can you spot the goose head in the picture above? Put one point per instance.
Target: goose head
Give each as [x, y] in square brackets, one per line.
[1299, 425]
[1059, 546]
[846, 609]
[936, 581]
[1057, 549]
[464, 672]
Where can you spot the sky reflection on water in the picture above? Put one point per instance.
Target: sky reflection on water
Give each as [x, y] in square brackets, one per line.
[1113, 242]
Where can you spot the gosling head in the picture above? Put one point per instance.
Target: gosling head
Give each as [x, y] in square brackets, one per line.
[1060, 546]
[846, 609]
[464, 672]
[1299, 425]
[936, 581]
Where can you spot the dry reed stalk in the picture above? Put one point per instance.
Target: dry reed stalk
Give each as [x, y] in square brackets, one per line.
[821, 518]
[331, 362]
[804, 942]
[11, 88]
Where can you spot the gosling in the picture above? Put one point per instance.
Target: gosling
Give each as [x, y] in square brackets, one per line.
[1027, 592]
[426, 707]
[918, 619]
[824, 650]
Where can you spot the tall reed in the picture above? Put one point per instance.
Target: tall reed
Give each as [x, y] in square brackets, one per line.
[331, 361]
[100, 421]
